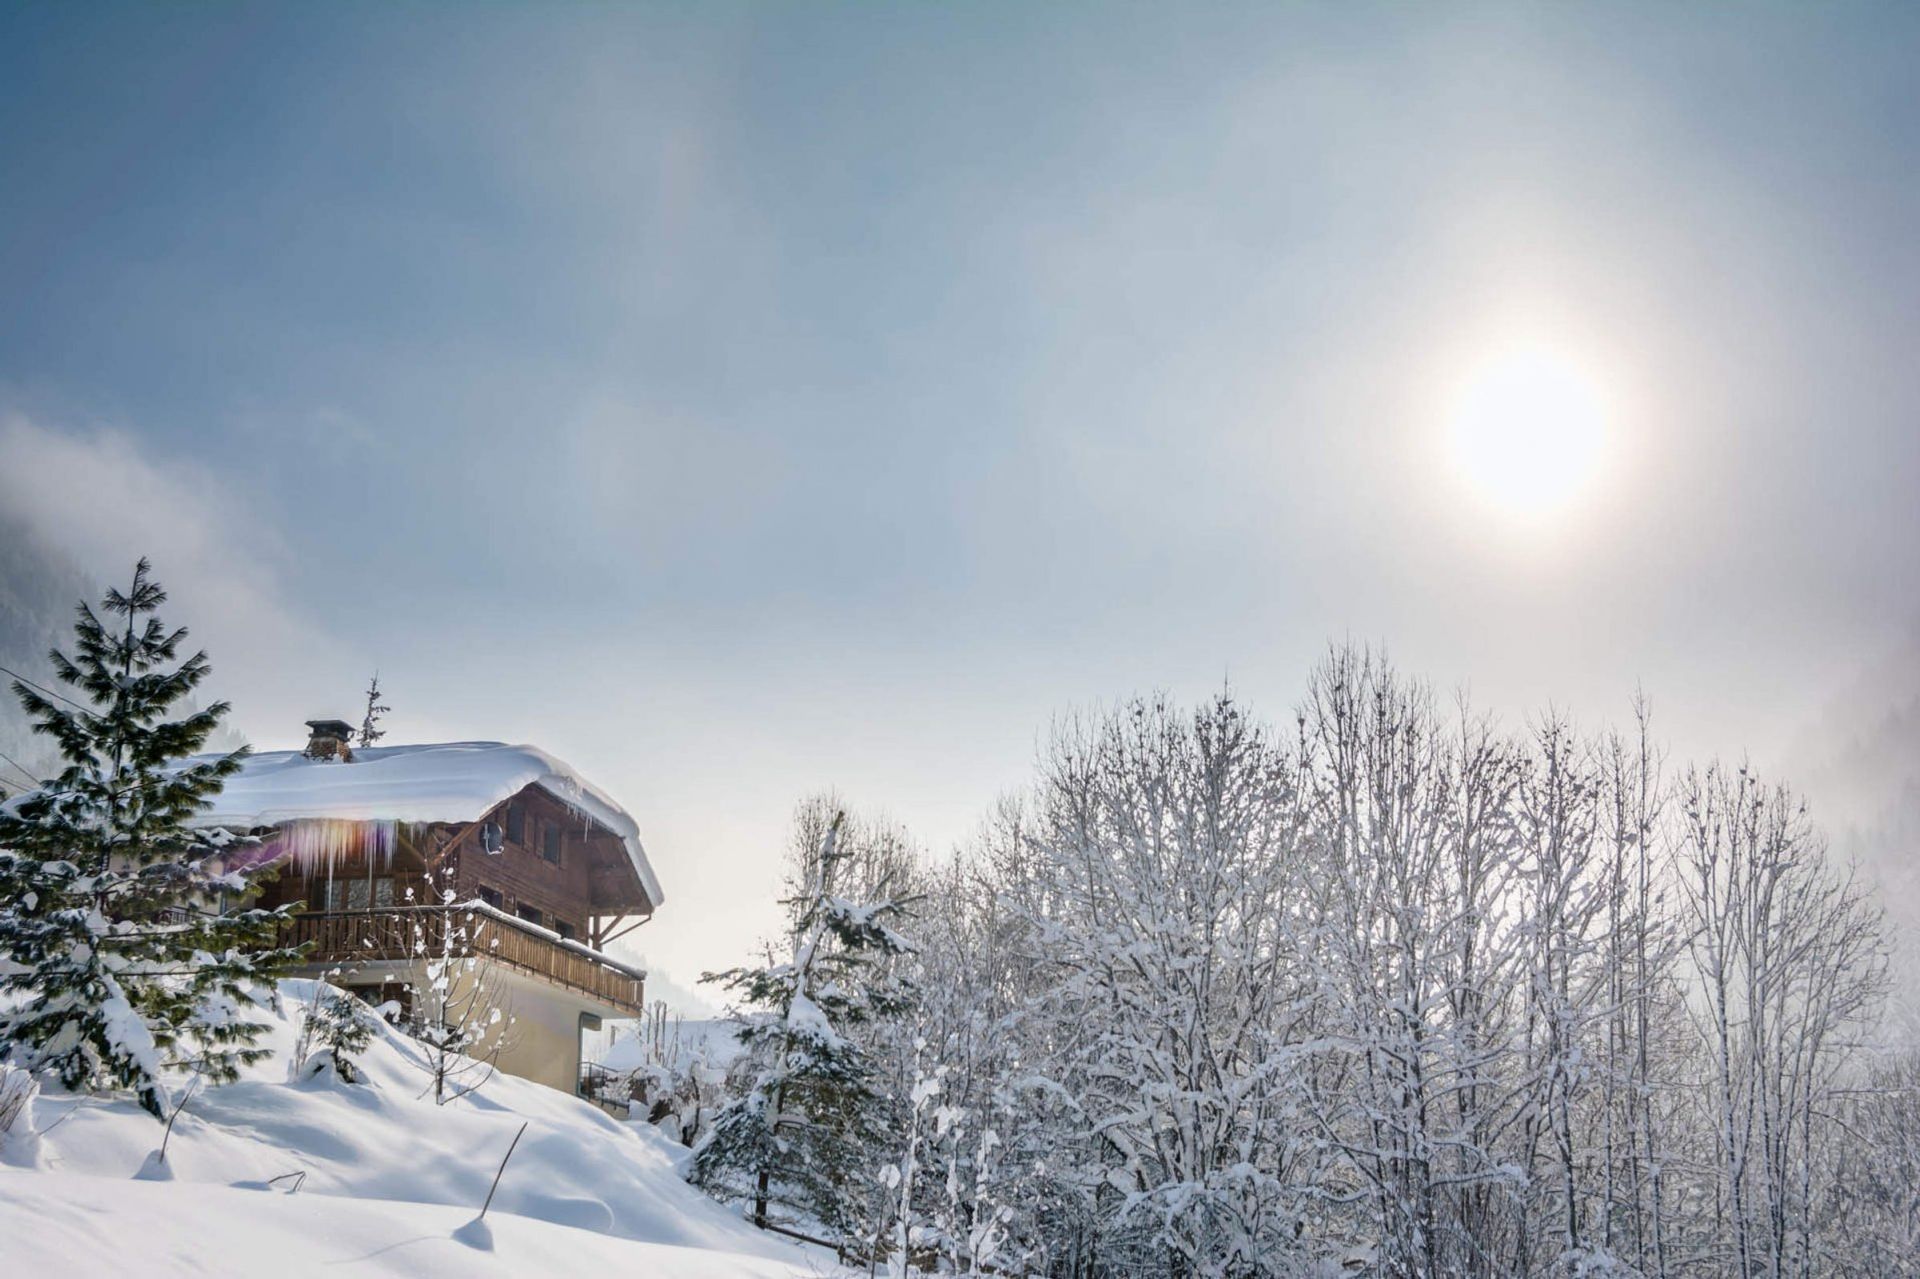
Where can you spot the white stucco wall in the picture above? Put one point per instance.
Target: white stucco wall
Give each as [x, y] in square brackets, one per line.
[537, 1033]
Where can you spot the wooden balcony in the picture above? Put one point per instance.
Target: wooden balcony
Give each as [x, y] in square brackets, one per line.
[416, 934]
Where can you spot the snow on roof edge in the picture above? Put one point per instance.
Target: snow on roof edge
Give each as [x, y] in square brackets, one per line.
[427, 782]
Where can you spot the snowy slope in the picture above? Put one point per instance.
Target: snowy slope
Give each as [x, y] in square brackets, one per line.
[63, 1226]
[380, 1141]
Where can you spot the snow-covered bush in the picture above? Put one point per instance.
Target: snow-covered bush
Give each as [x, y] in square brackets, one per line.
[336, 1029]
[669, 1071]
[17, 1090]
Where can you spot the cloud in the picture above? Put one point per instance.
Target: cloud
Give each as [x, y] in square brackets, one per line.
[682, 484]
[101, 499]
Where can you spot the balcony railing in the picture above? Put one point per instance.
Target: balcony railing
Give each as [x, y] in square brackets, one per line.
[466, 930]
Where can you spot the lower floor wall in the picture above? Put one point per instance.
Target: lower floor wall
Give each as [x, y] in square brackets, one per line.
[541, 1038]
[523, 1026]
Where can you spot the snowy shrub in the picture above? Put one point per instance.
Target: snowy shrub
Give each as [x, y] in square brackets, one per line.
[338, 1027]
[17, 1090]
[669, 1071]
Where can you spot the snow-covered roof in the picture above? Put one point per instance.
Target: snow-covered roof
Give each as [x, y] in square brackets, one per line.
[434, 782]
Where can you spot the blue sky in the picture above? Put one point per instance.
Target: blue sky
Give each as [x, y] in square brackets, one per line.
[743, 399]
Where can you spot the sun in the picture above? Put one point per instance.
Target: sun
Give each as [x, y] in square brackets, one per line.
[1528, 429]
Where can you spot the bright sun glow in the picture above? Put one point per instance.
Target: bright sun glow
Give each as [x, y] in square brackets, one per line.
[1528, 428]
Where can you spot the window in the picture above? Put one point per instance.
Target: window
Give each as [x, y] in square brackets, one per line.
[529, 913]
[516, 824]
[359, 894]
[492, 897]
[333, 895]
[550, 847]
[565, 929]
[382, 893]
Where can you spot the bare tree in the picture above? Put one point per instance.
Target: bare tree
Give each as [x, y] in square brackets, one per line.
[1642, 942]
[1790, 965]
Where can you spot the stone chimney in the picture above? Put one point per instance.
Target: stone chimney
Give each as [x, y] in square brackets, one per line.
[328, 739]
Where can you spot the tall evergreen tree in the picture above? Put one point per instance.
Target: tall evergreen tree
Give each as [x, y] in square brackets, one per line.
[121, 958]
[803, 1133]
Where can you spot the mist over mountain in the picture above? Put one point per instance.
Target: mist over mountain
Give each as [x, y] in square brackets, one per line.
[39, 587]
[1859, 766]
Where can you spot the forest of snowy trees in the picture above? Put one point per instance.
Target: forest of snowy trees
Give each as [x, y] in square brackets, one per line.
[1393, 992]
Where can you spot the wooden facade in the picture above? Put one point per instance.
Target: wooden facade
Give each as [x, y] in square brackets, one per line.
[555, 888]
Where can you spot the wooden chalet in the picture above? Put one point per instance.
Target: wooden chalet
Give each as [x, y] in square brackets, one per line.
[477, 850]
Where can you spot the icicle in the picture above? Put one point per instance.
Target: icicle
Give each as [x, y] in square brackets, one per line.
[317, 845]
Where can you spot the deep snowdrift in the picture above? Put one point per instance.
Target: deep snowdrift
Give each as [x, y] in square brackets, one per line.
[56, 1225]
[378, 1141]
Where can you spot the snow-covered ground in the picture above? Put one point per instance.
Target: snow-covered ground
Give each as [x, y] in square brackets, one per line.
[392, 1181]
[62, 1224]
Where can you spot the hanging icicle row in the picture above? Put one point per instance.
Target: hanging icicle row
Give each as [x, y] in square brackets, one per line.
[316, 846]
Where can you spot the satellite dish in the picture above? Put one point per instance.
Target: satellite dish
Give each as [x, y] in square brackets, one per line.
[492, 839]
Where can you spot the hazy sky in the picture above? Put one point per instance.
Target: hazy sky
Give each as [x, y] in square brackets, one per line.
[741, 400]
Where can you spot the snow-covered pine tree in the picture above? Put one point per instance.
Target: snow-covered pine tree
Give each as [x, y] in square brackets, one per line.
[804, 1130]
[119, 960]
[370, 730]
[339, 1026]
